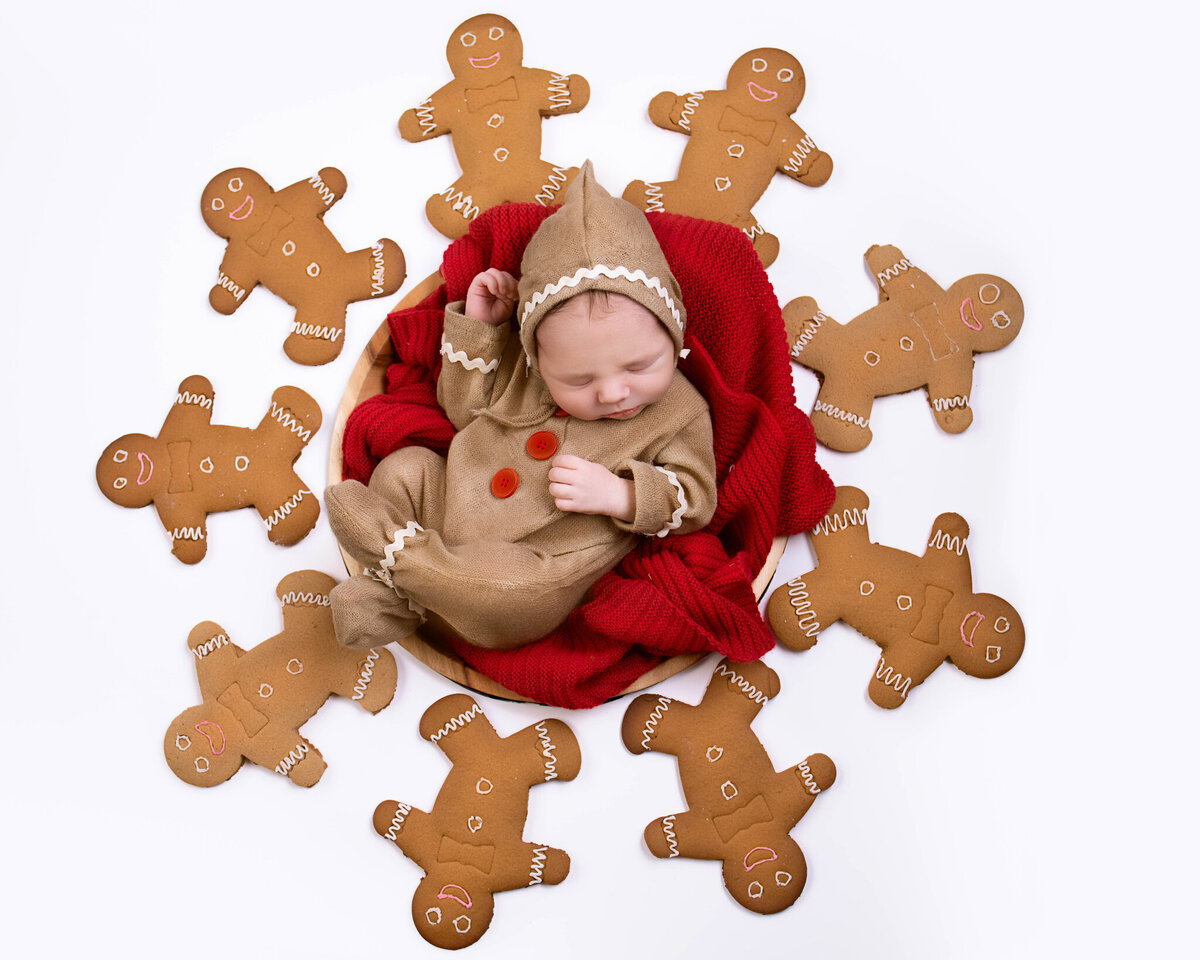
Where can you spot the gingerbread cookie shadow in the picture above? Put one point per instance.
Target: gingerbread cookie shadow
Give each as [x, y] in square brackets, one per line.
[740, 809]
[194, 467]
[279, 238]
[739, 138]
[470, 844]
[918, 335]
[919, 610]
[255, 701]
[493, 111]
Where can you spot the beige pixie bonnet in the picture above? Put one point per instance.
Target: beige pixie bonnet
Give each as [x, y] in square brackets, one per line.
[595, 241]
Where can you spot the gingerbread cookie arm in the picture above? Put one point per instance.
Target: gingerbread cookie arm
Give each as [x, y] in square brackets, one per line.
[187, 526]
[312, 197]
[532, 864]
[650, 721]
[236, 277]
[673, 111]
[949, 393]
[409, 828]
[421, 123]
[900, 280]
[559, 93]
[192, 409]
[803, 783]
[946, 552]
[286, 751]
[216, 657]
[800, 159]
[686, 834]
[546, 751]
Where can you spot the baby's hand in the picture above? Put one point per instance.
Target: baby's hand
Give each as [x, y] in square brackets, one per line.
[581, 486]
[491, 297]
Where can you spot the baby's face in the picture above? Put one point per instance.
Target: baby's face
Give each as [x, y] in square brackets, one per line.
[605, 360]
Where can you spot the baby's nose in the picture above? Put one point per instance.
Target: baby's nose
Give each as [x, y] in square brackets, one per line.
[613, 391]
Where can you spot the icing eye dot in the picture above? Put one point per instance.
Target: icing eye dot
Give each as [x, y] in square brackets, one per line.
[758, 64]
[218, 203]
[120, 456]
[989, 293]
[785, 75]
[236, 184]
[202, 764]
[289, 248]
[755, 890]
[119, 483]
[495, 33]
[467, 40]
[183, 742]
[314, 269]
[1000, 320]
[433, 916]
[462, 924]
[783, 878]
[1002, 625]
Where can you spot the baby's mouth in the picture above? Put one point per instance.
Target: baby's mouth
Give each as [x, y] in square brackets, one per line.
[625, 414]
[145, 469]
[482, 63]
[247, 205]
[761, 94]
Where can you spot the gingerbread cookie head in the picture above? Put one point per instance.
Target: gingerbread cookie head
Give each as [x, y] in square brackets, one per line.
[484, 49]
[129, 471]
[766, 82]
[203, 745]
[985, 635]
[236, 202]
[766, 872]
[990, 309]
[448, 914]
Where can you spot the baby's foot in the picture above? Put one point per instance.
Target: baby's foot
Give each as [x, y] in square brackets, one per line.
[370, 614]
[365, 524]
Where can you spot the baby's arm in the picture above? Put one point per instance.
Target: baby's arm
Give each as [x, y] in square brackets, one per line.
[475, 335]
[581, 486]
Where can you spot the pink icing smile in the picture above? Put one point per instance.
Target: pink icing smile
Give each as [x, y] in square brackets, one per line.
[967, 313]
[764, 855]
[247, 205]
[452, 891]
[974, 618]
[482, 63]
[761, 94]
[145, 469]
[203, 727]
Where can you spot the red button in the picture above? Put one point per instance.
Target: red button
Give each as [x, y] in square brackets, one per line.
[541, 445]
[504, 482]
[560, 412]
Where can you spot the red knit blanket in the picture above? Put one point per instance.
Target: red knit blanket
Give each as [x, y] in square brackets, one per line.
[670, 595]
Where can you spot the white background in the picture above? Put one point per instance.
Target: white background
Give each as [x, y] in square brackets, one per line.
[1047, 812]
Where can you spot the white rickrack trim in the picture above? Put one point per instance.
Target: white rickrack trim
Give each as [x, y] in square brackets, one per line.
[746, 687]
[204, 649]
[455, 723]
[613, 273]
[364, 678]
[806, 618]
[471, 363]
[677, 516]
[410, 529]
[837, 413]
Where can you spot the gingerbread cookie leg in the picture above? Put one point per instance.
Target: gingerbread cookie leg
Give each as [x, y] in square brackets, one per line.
[949, 394]
[288, 753]
[318, 332]
[370, 680]
[451, 211]
[288, 508]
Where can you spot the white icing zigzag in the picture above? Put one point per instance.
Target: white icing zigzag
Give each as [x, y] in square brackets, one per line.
[752, 692]
[893, 678]
[311, 330]
[324, 192]
[689, 108]
[285, 508]
[942, 404]
[425, 118]
[668, 827]
[204, 649]
[654, 197]
[402, 811]
[943, 541]
[850, 517]
[314, 599]
[799, 154]
[197, 398]
[548, 190]
[894, 271]
[535, 869]
[547, 750]
[187, 533]
[285, 417]
[806, 619]
[652, 721]
[461, 202]
[560, 93]
[806, 775]
[811, 326]
[456, 723]
[377, 274]
[295, 755]
[839, 414]
[364, 678]
[471, 363]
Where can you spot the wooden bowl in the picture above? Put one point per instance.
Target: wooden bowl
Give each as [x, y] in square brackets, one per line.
[428, 644]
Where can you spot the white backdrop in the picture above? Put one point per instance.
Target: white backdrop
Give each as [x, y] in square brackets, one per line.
[1044, 812]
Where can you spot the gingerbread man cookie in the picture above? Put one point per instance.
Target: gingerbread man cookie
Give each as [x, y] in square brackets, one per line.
[493, 110]
[921, 611]
[195, 467]
[740, 810]
[255, 701]
[740, 137]
[919, 335]
[470, 845]
[279, 239]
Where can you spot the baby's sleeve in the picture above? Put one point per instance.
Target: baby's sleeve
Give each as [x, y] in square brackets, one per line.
[471, 354]
[676, 491]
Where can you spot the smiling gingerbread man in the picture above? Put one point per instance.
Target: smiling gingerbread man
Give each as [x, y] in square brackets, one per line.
[493, 110]
[195, 467]
[740, 137]
[470, 845]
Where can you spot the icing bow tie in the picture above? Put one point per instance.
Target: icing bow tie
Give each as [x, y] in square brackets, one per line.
[734, 122]
[482, 97]
[475, 855]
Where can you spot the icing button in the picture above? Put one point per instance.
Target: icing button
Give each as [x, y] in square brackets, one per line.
[504, 482]
[541, 445]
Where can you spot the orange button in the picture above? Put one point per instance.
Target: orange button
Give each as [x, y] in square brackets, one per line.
[541, 445]
[504, 482]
